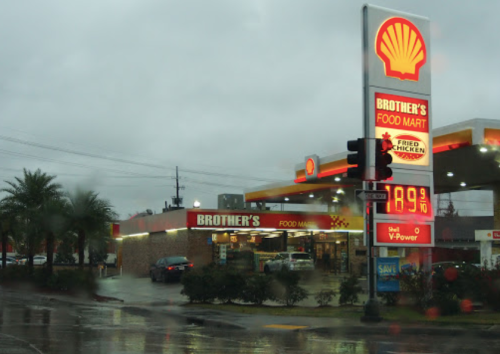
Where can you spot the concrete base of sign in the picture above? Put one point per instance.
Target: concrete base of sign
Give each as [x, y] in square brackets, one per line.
[485, 253]
[372, 311]
[383, 252]
[486, 238]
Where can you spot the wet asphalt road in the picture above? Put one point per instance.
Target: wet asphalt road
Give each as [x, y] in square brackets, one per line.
[55, 328]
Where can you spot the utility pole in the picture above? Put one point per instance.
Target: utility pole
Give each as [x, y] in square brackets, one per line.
[177, 185]
[176, 199]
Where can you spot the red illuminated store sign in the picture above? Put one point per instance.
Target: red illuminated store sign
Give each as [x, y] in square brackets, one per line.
[496, 235]
[279, 221]
[403, 234]
[399, 112]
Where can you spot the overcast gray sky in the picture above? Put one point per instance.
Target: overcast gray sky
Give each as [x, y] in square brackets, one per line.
[238, 87]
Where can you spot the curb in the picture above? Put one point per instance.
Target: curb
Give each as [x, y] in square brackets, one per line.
[196, 320]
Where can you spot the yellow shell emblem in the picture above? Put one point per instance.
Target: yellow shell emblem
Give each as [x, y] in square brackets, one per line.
[401, 47]
[310, 167]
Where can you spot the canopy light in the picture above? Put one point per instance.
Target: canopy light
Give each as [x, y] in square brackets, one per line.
[137, 235]
[174, 230]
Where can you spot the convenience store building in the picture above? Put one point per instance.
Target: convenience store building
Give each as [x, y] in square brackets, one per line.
[206, 236]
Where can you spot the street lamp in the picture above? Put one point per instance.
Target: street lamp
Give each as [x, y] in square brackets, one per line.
[196, 204]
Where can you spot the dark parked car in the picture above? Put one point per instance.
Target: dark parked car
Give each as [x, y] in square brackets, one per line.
[441, 267]
[169, 268]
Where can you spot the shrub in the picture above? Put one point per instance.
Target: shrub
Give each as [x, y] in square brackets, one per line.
[229, 284]
[199, 285]
[14, 274]
[349, 290]
[285, 288]
[257, 289]
[390, 298]
[489, 286]
[324, 297]
[416, 285]
[64, 280]
[290, 295]
[72, 280]
[447, 303]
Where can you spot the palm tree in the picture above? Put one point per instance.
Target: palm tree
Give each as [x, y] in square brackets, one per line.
[53, 220]
[88, 214]
[27, 198]
[7, 219]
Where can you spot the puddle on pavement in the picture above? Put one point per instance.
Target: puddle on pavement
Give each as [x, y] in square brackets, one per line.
[85, 329]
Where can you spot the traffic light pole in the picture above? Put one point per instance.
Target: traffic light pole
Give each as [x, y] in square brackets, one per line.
[372, 308]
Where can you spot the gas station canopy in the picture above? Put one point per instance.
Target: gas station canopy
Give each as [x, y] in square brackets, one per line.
[466, 157]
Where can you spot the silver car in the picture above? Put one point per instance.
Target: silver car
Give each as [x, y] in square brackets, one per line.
[9, 261]
[295, 261]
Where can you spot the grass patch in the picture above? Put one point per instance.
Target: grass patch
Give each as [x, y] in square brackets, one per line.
[392, 314]
[406, 314]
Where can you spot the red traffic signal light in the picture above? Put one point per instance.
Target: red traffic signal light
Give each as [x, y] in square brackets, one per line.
[383, 159]
[358, 159]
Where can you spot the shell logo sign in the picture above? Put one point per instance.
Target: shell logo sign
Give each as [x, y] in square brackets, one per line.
[310, 166]
[401, 47]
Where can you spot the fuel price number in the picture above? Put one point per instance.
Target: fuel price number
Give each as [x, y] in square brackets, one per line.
[405, 200]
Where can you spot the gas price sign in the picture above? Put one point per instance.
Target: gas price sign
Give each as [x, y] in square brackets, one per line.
[405, 200]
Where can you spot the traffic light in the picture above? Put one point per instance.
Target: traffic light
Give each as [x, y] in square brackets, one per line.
[382, 159]
[357, 159]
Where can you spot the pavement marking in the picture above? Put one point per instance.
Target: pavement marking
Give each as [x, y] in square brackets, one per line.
[284, 326]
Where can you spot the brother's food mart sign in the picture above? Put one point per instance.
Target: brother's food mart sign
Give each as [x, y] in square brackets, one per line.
[279, 221]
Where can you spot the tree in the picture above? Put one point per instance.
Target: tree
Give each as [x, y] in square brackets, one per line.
[27, 197]
[65, 249]
[88, 214]
[450, 211]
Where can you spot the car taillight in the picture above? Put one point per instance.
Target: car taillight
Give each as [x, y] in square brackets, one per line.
[170, 268]
[191, 265]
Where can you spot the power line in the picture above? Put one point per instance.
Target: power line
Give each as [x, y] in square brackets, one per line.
[115, 159]
[102, 148]
[35, 157]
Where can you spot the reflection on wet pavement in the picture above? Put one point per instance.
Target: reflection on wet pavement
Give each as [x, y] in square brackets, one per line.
[49, 328]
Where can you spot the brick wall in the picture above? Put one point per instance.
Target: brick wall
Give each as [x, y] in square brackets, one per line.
[140, 252]
[356, 262]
